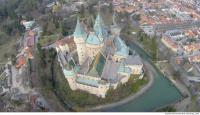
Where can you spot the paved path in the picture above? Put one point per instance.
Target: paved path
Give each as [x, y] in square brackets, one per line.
[130, 98]
[182, 105]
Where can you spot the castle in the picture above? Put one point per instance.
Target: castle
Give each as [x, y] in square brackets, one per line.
[95, 61]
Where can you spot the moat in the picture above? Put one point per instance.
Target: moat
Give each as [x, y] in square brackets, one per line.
[161, 93]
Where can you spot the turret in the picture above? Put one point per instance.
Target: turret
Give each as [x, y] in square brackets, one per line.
[93, 45]
[121, 50]
[99, 28]
[79, 32]
[80, 36]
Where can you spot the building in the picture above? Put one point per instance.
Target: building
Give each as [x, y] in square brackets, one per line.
[20, 62]
[27, 24]
[173, 38]
[170, 43]
[95, 61]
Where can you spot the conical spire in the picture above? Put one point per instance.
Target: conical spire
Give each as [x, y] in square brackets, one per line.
[79, 30]
[98, 21]
[100, 33]
[99, 27]
[121, 48]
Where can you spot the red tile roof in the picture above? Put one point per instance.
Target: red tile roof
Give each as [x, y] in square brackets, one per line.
[21, 62]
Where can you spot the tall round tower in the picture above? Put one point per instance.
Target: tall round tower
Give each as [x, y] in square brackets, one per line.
[79, 38]
[93, 45]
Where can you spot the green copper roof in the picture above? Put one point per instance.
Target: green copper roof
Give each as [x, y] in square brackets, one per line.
[98, 21]
[89, 82]
[121, 48]
[93, 39]
[77, 69]
[100, 33]
[99, 27]
[79, 30]
[93, 72]
[68, 73]
[124, 69]
[97, 66]
[29, 24]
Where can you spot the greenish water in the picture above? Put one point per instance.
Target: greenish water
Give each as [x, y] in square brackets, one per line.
[161, 93]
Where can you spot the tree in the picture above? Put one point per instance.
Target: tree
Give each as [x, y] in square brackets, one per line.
[29, 5]
[82, 12]
[154, 48]
[145, 40]
[176, 74]
[56, 7]
[63, 29]
[168, 109]
[56, 21]
[52, 55]
[41, 55]
[51, 27]
[136, 17]
[13, 59]
[5, 55]
[111, 8]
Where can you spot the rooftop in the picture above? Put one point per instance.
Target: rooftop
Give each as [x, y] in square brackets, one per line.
[110, 71]
[97, 66]
[99, 27]
[93, 39]
[133, 60]
[124, 69]
[79, 30]
[121, 48]
[85, 81]
[69, 73]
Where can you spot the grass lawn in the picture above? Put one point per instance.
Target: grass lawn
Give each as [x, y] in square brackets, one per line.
[45, 40]
[193, 106]
[167, 109]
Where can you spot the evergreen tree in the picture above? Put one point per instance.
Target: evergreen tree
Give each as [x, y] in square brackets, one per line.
[154, 48]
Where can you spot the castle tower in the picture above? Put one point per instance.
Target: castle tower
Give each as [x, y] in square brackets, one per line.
[100, 28]
[121, 50]
[79, 38]
[93, 45]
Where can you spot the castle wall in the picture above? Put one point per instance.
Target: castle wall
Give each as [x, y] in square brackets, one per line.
[88, 77]
[81, 50]
[64, 48]
[118, 58]
[103, 90]
[136, 69]
[114, 86]
[98, 91]
[125, 79]
[72, 83]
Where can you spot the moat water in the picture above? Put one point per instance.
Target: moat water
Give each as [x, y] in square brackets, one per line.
[161, 93]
